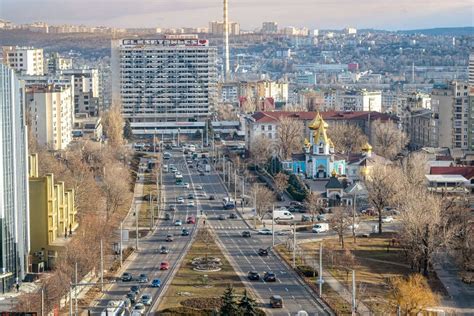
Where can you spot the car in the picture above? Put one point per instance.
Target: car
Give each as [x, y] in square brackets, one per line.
[321, 217]
[253, 276]
[167, 216]
[186, 185]
[198, 187]
[269, 277]
[180, 200]
[306, 218]
[263, 252]
[212, 197]
[201, 173]
[164, 265]
[135, 289]
[265, 231]
[276, 301]
[232, 216]
[155, 283]
[221, 217]
[172, 208]
[146, 299]
[189, 162]
[164, 250]
[185, 232]
[191, 220]
[178, 222]
[190, 203]
[369, 211]
[140, 308]
[284, 232]
[246, 234]
[126, 277]
[387, 219]
[142, 278]
[190, 196]
[132, 297]
[356, 226]
[169, 238]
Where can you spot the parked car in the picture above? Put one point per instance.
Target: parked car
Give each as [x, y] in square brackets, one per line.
[306, 218]
[190, 203]
[320, 228]
[263, 252]
[165, 265]
[172, 208]
[233, 215]
[146, 299]
[276, 301]
[156, 283]
[269, 277]
[140, 308]
[265, 231]
[253, 275]
[164, 250]
[143, 278]
[321, 217]
[191, 220]
[198, 187]
[169, 238]
[221, 217]
[126, 277]
[185, 232]
[387, 219]
[180, 200]
[246, 234]
[178, 222]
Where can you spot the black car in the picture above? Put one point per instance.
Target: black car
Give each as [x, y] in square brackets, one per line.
[132, 297]
[164, 250]
[269, 277]
[246, 234]
[233, 216]
[169, 238]
[167, 216]
[126, 277]
[263, 252]
[135, 289]
[253, 275]
[201, 173]
[185, 232]
[212, 197]
[143, 278]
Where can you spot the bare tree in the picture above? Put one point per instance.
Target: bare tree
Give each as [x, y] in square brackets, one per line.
[289, 136]
[413, 294]
[347, 139]
[340, 220]
[226, 112]
[116, 188]
[381, 188]
[261, 150]
[388, 139]
[281, 182]
[113, 126]
[264, 198]
[311, 203]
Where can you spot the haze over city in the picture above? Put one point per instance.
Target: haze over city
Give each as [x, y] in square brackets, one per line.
[385, 14]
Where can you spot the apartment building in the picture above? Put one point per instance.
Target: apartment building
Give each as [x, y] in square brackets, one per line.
[270, 27]
[14, 206]
[86, 90]
[217, 28]
[164, 84]
[471, 69]
[51, 111]
[54, 63]
[25, 60]
[359, 100]
[423, 129]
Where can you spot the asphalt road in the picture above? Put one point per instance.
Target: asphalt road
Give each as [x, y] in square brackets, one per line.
[244, 257]
[148, 258]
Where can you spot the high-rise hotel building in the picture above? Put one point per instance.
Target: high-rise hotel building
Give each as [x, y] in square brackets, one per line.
[14, 204]
[166, 85]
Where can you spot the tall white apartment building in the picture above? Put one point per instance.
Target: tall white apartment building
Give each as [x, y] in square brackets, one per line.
[359, 100]
[471, 69]
[51, 111]
[86, 90]
[164, 85]
[25, 60]
[269, 27]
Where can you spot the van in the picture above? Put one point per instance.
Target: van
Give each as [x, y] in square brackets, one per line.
[283, 214]
[320, 228]
[165, 168]
[276, 301]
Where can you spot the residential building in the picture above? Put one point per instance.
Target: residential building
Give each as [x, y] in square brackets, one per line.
[350, 30]
[164, 85]
[25, 60]
[423, 129]
[359, 100]
[55, 63]
[217, 28]
[14, 205]
[306, 78]
[51, 111]
[471, 69]
[90, 127]
[229, 92]
[269, 27]
[86, 90]
[53, 213]
[264, 89]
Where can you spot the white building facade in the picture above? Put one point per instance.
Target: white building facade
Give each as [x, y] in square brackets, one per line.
[25, 60]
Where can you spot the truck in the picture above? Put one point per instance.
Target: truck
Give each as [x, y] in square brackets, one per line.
[283, 214]
[114, 308]
[320, 228]
[207, 168]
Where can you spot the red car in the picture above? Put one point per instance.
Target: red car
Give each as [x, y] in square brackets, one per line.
[191, 220]
[164, 265]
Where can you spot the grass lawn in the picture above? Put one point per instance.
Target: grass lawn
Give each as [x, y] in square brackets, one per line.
[190, 285]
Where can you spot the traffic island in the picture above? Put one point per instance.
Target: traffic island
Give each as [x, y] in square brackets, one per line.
[197, 292]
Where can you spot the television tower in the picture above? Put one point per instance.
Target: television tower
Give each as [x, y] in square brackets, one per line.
[226, 43]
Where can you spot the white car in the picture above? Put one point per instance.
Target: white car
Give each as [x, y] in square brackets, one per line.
[178, 223]
[387, 219]
[139, 308]
[198, 187]
[180, 200]
[356, 226]
[284, 232]
[265, 231]
[186, 185]
[191, 203]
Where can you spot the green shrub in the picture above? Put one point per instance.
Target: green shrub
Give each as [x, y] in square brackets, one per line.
[306, 271]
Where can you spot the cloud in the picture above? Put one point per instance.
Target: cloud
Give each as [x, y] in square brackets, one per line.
[387, 14]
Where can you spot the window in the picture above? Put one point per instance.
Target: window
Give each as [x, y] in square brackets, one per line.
[263, 127]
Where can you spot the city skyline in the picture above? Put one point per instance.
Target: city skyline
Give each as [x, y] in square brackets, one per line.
[322, 15]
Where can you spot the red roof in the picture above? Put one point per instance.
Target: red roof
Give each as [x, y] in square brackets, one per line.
[273, 116]
[465, 171]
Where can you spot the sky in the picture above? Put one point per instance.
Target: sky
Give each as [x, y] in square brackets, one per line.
[317, 14]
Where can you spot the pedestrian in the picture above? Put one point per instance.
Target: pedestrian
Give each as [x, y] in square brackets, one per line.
[17, 287]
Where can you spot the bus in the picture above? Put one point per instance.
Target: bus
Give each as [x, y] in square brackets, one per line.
[179, 178]
[228, 203]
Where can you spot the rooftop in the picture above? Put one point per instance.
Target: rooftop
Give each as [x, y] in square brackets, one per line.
[445, 178]
[274, 116]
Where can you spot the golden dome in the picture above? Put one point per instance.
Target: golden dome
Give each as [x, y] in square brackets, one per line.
[367, 147]
[334, 173]
[317, 122]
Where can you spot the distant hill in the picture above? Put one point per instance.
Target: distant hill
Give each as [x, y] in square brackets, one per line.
[447, 31]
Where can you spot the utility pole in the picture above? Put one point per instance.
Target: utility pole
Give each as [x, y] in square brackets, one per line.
[150, 205]
[101, 267]
[42, 301]
[235, 185]
[354, 219]
[273, 225]
[70, 298]
[136, 226]
[321, 269]
[294, 246]
[75, 289]
[243, 193]
[121, 243]
[228, 175]
[354, 309]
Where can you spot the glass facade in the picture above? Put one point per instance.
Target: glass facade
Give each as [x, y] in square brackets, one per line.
[14, 215]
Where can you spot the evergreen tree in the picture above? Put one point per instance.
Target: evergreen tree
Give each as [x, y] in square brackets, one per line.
[229, 306]
[247, 305]
[127, 130]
